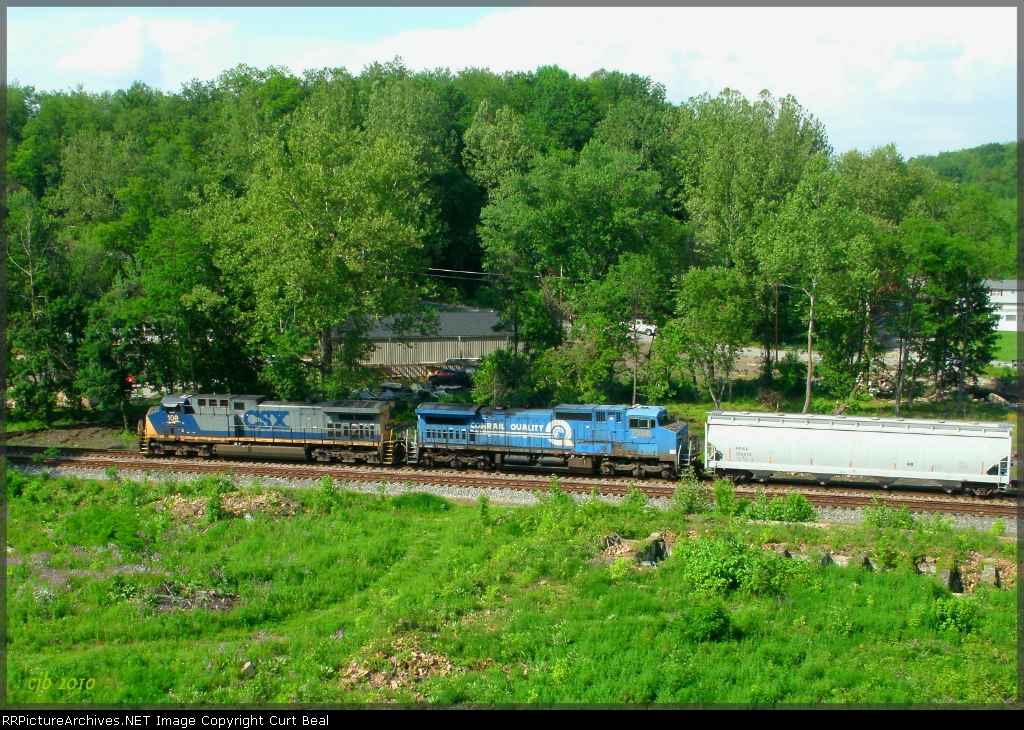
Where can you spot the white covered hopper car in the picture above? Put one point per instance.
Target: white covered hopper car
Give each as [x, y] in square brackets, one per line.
[969, 455]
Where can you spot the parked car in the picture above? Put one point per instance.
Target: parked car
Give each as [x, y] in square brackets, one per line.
[446, 376]
[640, 327]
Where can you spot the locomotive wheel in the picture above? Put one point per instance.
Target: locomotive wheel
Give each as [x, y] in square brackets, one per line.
[638, 472]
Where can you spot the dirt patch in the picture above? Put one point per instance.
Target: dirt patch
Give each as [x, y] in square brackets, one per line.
[85, 437]
[238, 504]
[404, 664]
[174, 598]
[233, 504]
[978, 569]
[655, 547]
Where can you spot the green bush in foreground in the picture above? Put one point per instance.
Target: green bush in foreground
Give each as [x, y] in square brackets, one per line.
[793, 507]
[519, 607]
[881, 515]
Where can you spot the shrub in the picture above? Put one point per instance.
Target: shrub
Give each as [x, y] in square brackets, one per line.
[635, 500]
[934, 523]
[326, 501]
[998, 527]
[714, 566]
[15, 483]
[767, 572]
[790, 372]
[421, 502]
[881, 515]
[619, 569]
[794, 507]
[212, 485]
[956, 614]
[214, 508]
[718, 566]
[131, 494]
[886, 553]
[122, 590]
[692, 496]
[707, 621]
[112, 473]
[482, 503]
[100, 525]
[725, 499]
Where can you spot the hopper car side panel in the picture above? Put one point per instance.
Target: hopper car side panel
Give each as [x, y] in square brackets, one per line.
[887, 450]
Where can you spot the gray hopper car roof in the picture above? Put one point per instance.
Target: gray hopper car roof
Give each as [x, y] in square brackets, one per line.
[880, 423]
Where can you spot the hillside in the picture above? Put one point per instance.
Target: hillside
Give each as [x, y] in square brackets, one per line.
[991, 167]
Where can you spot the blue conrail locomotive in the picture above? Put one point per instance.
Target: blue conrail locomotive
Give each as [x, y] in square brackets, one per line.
[639, 441]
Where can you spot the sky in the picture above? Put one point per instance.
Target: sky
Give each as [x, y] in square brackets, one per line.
[927, 79]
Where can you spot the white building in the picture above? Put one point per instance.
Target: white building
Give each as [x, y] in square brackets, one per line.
[1003, 294]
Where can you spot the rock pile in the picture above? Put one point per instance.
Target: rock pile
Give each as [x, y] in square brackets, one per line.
[407, 665]
[234, 504]
[170, 597]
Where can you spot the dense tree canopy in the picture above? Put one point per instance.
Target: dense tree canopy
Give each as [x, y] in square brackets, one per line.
[245, 234]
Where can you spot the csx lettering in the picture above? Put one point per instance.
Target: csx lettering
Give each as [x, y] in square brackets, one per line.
[263, 418]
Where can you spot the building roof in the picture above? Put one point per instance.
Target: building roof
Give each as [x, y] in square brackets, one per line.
[459, 409]
[452, 321]
[1001, 283]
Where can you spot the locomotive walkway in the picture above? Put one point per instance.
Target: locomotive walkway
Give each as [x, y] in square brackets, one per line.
[848, 496]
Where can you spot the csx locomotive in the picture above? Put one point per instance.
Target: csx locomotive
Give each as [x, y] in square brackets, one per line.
[638, 441]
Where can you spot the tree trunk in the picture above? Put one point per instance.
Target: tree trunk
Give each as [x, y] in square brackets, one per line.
[636, 365]
[716, 397]
[901, 368]
[903, 359]
[515, 353]
[326, 355]
[963, 365]
[810, 350]
[191, 357]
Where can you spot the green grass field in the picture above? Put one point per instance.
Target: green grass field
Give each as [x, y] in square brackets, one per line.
[1006, 347]
[357, 597]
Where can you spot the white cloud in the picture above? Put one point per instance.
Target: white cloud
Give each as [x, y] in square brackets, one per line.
[917, 76]
[107, 51]
[835, 61]
[155, 51]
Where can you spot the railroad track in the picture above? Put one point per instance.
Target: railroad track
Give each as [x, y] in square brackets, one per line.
[839, 496]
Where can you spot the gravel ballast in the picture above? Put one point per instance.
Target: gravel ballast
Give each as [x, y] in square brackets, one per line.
[507, 497]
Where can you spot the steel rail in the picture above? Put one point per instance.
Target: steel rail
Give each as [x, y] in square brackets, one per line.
[820, 497]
